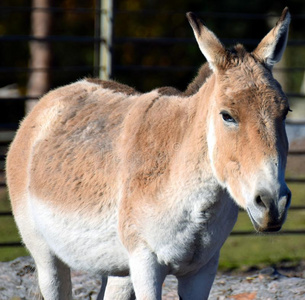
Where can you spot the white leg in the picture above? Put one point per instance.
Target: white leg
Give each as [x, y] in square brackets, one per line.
[198, 286]
[54, 276]
[147, 274]
[117, 288]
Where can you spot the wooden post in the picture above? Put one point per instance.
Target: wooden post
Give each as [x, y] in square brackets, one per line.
[97, 36]
[106, 34]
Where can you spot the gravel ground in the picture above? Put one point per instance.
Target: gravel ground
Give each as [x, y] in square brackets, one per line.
[18, 282]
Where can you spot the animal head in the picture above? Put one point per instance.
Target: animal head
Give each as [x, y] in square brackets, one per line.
[247, 142]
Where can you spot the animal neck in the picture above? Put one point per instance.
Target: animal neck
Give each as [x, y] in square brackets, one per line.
[193, 156]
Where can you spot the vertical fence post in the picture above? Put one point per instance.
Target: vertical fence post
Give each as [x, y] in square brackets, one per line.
[106, 36]
[97, 36]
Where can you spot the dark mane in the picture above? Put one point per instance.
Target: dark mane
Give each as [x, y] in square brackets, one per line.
[202, 75]
[169, 91]
[114, 86]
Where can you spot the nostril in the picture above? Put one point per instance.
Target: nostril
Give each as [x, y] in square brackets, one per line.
[260, 202]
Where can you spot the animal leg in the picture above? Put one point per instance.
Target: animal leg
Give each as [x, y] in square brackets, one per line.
[147, 274]
[198, 286]
[54, 276]
[101, 293]
[54, 279]
[117, 288]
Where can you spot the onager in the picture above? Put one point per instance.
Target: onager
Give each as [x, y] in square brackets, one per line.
[111, 181]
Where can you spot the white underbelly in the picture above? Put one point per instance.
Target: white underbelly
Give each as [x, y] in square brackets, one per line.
[88, 243]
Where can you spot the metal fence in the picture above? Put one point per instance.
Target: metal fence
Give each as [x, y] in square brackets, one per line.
[103, 66]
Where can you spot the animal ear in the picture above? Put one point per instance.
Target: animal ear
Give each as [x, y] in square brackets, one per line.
[209, 44]
[270, 50]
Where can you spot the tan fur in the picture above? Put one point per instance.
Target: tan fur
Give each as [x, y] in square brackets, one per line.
[138, 135]
[144, 179]
[257, 106]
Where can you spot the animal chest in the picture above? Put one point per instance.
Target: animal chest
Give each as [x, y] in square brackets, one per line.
[189, 238]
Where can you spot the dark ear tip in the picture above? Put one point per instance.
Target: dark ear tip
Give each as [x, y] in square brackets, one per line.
[194, 20]
[285, 14]
[191, 16]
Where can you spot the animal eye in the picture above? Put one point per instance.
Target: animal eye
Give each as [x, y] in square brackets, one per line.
[227, 117]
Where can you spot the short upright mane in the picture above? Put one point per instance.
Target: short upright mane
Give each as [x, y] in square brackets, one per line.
[114, 86]
[203, 74]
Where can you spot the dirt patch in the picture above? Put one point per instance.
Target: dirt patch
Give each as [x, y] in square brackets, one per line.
[18, 281]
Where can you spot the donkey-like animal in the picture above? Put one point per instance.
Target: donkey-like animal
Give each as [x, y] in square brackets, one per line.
[108, 180]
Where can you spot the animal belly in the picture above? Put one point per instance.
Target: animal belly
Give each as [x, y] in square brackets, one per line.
[86, 243]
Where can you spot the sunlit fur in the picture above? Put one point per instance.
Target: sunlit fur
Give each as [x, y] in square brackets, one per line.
[105, 179]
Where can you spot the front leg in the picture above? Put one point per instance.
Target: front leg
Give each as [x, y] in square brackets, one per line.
[198, 286]
[147, 274]
[116, 288]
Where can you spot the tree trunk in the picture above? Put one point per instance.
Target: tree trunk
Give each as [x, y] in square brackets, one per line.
[40, 52]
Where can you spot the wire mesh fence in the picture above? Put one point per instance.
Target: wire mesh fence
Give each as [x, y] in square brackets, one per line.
[119, 69]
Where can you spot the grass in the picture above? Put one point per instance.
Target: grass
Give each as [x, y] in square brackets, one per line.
[242, 252]
[239, 252]
[8, 232]
[245, 252]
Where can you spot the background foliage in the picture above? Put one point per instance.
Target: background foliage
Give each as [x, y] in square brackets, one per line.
[232, 21]
[147, 64]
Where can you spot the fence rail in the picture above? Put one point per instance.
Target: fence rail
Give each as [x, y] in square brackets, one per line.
[7, 138]
[233, 233]
[98, 40]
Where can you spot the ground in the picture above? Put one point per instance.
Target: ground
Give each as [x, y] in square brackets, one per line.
[18, 282]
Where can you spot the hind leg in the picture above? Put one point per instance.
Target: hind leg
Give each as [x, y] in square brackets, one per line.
[54, 276]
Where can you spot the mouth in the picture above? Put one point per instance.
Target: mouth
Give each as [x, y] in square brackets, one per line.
[265, 229]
